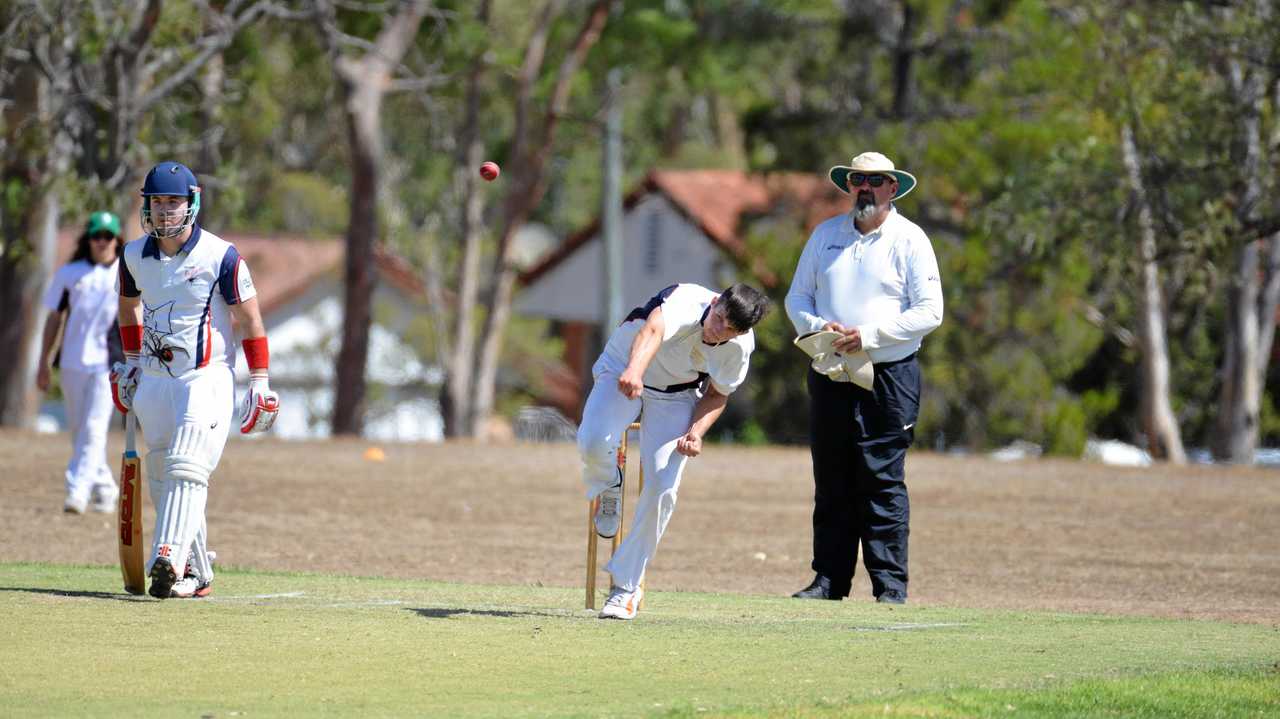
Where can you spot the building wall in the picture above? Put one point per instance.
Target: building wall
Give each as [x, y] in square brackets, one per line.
[402, 400]
[660, 247]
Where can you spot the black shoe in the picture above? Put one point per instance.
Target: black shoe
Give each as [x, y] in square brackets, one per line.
[162, 578]
[892, 596]
[820, 588]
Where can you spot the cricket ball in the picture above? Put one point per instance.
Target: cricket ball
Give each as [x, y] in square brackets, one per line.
[489, 171]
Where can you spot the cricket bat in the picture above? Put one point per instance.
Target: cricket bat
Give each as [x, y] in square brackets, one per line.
[129, 512]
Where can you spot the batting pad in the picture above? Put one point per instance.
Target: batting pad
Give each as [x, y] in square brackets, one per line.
[179, 518]
[190, 457]
[200, 553]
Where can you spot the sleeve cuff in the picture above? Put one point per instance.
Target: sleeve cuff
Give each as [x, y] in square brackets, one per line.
[869, 336]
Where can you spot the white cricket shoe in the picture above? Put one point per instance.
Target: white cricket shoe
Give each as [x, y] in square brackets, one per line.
[75, 504]
[104, 498]
[608, 511]
[189, 587]
[622, 604]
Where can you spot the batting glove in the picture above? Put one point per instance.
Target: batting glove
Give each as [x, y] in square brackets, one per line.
[261, 406]
[124, 383]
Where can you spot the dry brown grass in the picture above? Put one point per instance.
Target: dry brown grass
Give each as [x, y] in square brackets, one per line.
[1198, 542]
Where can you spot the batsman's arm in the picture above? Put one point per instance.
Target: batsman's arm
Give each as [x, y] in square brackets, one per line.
[643, 348]
[705, 413]
[131, 326]
[249, 318]
[261, 405]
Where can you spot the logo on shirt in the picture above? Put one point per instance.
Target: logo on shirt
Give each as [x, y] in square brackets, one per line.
[158, 328]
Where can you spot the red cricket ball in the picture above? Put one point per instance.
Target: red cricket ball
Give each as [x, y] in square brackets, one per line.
[489, 171]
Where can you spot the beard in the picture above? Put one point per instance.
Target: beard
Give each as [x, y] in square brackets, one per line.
[865, 206]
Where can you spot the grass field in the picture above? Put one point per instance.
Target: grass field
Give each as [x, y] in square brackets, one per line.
[447, 581]
[313, 645]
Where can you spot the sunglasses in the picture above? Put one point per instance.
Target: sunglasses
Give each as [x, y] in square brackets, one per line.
[102, 236]
[857, 178]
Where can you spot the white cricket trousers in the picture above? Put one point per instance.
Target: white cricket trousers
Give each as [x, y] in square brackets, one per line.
[185, 421]
[665, 419]
[89, 409]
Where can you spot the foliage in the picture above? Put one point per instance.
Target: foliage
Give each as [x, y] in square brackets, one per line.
[1008, 111]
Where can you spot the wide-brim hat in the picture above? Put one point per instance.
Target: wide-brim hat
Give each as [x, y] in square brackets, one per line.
[102, 222]
[873, 163]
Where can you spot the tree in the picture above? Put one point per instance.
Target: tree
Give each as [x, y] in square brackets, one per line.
[1164, 438]
[363, 80]
[1253, 293]
[533, 140]
[78, 83]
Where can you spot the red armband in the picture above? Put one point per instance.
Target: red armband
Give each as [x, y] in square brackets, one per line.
[131, 339]
[255, 353]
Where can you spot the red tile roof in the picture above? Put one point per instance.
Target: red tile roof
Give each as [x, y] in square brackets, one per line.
[716, 202]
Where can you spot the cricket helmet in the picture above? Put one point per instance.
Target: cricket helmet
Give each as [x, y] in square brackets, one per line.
[171, 179]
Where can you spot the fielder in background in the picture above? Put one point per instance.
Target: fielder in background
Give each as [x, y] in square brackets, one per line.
[179, 287]
[677, 358]
[83, 293]
[870, 275]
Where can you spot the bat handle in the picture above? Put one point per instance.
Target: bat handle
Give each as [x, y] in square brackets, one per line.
[130, 434]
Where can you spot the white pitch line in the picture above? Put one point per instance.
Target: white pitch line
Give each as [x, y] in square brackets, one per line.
[906, 627]
[254, 597]
[370, 603]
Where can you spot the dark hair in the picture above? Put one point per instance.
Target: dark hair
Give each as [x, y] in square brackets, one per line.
[82, 248]
[744, 306]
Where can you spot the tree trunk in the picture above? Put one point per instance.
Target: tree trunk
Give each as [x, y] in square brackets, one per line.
[456, 400]
[1247, 345]
[523, 196]
[364, 83]
[28, 228]
[363, 114]
[30, 240]
[1164, 440]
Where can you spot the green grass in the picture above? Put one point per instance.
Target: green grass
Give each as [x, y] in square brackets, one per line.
[306, 645]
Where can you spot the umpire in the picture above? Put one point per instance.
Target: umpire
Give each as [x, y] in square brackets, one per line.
[870, 275]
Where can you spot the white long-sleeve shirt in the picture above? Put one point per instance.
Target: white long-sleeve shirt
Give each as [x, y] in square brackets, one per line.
[885, 283]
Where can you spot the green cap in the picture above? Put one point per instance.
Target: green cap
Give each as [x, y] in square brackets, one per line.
[100, 221]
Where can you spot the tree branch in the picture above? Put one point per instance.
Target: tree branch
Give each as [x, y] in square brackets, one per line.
[534, 54]
[211, 45]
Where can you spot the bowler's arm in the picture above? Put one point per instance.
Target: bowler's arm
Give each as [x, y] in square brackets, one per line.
[705, 413]
[643, 348]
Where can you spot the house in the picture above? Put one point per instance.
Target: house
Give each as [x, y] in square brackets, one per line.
[300, 293]
[678, 226]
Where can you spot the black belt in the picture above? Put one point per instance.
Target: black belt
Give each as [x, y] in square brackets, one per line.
[671, 388]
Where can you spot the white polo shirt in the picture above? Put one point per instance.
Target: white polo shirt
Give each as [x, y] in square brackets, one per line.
[885, 283]
[88, 292]
[186, 318]
[683, 356]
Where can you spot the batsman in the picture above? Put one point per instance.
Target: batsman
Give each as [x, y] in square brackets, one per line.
[180, 286]
[677, 358]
